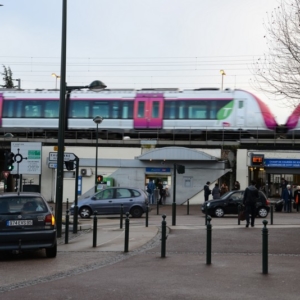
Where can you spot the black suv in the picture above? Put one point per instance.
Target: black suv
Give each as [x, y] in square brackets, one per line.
[229, 202]
[26, 223]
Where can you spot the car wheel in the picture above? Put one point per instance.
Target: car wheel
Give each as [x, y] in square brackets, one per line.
[136, 212]
[85, 212]
[219, 212]
[262, 212]
[51, 252]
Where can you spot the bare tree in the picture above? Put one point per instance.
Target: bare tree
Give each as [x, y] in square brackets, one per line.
[7, 78]
[278, 71]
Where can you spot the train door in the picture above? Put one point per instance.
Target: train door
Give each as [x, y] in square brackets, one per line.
[240, 117]
[148, 111]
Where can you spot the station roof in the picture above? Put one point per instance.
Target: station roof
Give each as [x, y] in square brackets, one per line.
[177, 153]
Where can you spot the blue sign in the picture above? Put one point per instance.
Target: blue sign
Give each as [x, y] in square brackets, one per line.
[282, 163]
[79, 185]
[158, 170]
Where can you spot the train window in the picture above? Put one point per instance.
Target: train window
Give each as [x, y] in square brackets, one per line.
[141, 109]
[241, 104]
[181, 107]
[170, 110]
[79, 109]
[10, 109]
[51, 109]
[127, 110]
[155, 109]
[32, 109]
[213, 110]
[115, 110]
[101, 108]
[197, 110]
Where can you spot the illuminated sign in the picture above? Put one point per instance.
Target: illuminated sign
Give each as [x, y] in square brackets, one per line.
[257, 159]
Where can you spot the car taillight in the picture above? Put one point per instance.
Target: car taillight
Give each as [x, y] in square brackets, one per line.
[50, 220]
[267, 202]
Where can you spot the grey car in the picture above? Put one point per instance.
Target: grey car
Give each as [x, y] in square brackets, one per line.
[26, 223]
[109, 200]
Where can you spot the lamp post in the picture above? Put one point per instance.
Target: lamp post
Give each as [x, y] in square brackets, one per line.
[98, 120]
[56, 76]
[96, 85]
[222, 74]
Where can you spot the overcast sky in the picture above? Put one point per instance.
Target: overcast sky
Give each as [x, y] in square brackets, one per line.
[137, 43]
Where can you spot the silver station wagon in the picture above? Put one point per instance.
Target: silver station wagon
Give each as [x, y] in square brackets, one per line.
[109, 200]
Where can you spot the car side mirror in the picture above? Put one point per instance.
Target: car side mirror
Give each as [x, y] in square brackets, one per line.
[93, 198]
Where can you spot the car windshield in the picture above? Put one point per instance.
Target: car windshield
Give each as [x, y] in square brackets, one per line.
[225, 195]
[20, 205]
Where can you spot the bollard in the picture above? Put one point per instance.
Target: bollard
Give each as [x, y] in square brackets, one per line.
[147, 215]
[239, 210]
[67, 228]
[121, 216]
[271, 215]
[126, 233]
[157, 207]
[188, 207]
[95, 230]
[205, 213]
[265, 248]
[67, 203]
[75, 219]
[163, 236]
[208, 241]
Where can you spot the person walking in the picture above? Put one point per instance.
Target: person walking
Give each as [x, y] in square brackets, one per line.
[250, 198]
[287, 199]
[150, 191]
[207, 191]
[161, 192]
[216, 192]
[297, 197]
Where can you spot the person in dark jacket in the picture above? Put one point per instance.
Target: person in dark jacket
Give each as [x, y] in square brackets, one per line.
[236, 186]
[297, 197]
[216, 192]
[207, 191]
[287, 199]
[250, 198]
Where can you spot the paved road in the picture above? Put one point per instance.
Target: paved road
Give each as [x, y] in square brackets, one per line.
[106, 272]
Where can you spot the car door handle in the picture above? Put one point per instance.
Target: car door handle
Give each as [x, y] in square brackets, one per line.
[130, 200]
[110, 201]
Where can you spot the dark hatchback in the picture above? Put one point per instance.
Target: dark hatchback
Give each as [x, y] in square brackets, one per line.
[228, 205]
[26, 223]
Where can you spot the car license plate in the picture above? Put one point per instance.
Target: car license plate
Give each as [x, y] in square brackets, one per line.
[19, 223]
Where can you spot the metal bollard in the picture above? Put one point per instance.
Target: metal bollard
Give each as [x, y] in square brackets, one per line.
[95, 230]
[147, 215]
[75, 219]
[67, 228]
[265, 247]
[67, 203]
[163, 236]
[208, 241]
[271, 215]
[188, 207]
[205, 213]
[126, 233]
[239, 210]
[121, 216]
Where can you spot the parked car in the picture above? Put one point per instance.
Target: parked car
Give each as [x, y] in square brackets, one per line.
[27, 223]
[229, 202]
[109, 200]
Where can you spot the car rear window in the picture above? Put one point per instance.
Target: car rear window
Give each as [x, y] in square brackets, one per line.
[21, 205]
[135, 193]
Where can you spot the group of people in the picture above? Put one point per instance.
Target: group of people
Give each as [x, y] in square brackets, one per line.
[163, 192]
[217, 192]
[287, 196]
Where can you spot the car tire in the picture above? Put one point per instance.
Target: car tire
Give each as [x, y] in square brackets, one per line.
[219, 212]
[85, 212]
[262, 212]
[51, 252]
[136, 212]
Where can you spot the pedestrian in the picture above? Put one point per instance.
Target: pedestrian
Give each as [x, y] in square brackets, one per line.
[236, 186]
[160, 192]
[150, 191]
[250, 198]
[224, 189]
[287, 199]
[297, 197]
[283, 186]
[216, 192]
[207, 191]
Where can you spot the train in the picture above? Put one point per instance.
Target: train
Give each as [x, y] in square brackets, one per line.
[134, 113]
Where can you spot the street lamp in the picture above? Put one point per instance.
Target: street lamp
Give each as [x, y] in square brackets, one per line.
[98, 120]
[222, 73]
[96, 85]
[56, 76]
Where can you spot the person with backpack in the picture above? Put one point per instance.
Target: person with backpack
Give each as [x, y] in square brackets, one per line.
[150, 191]
[250, 198]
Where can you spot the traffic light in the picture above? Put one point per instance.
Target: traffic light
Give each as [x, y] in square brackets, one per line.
[99, 178]
[180, 169]
[69, 165]
[9, 161]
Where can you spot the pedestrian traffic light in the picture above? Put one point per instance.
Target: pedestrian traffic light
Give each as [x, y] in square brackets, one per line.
[99, 178]
[9, 161]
